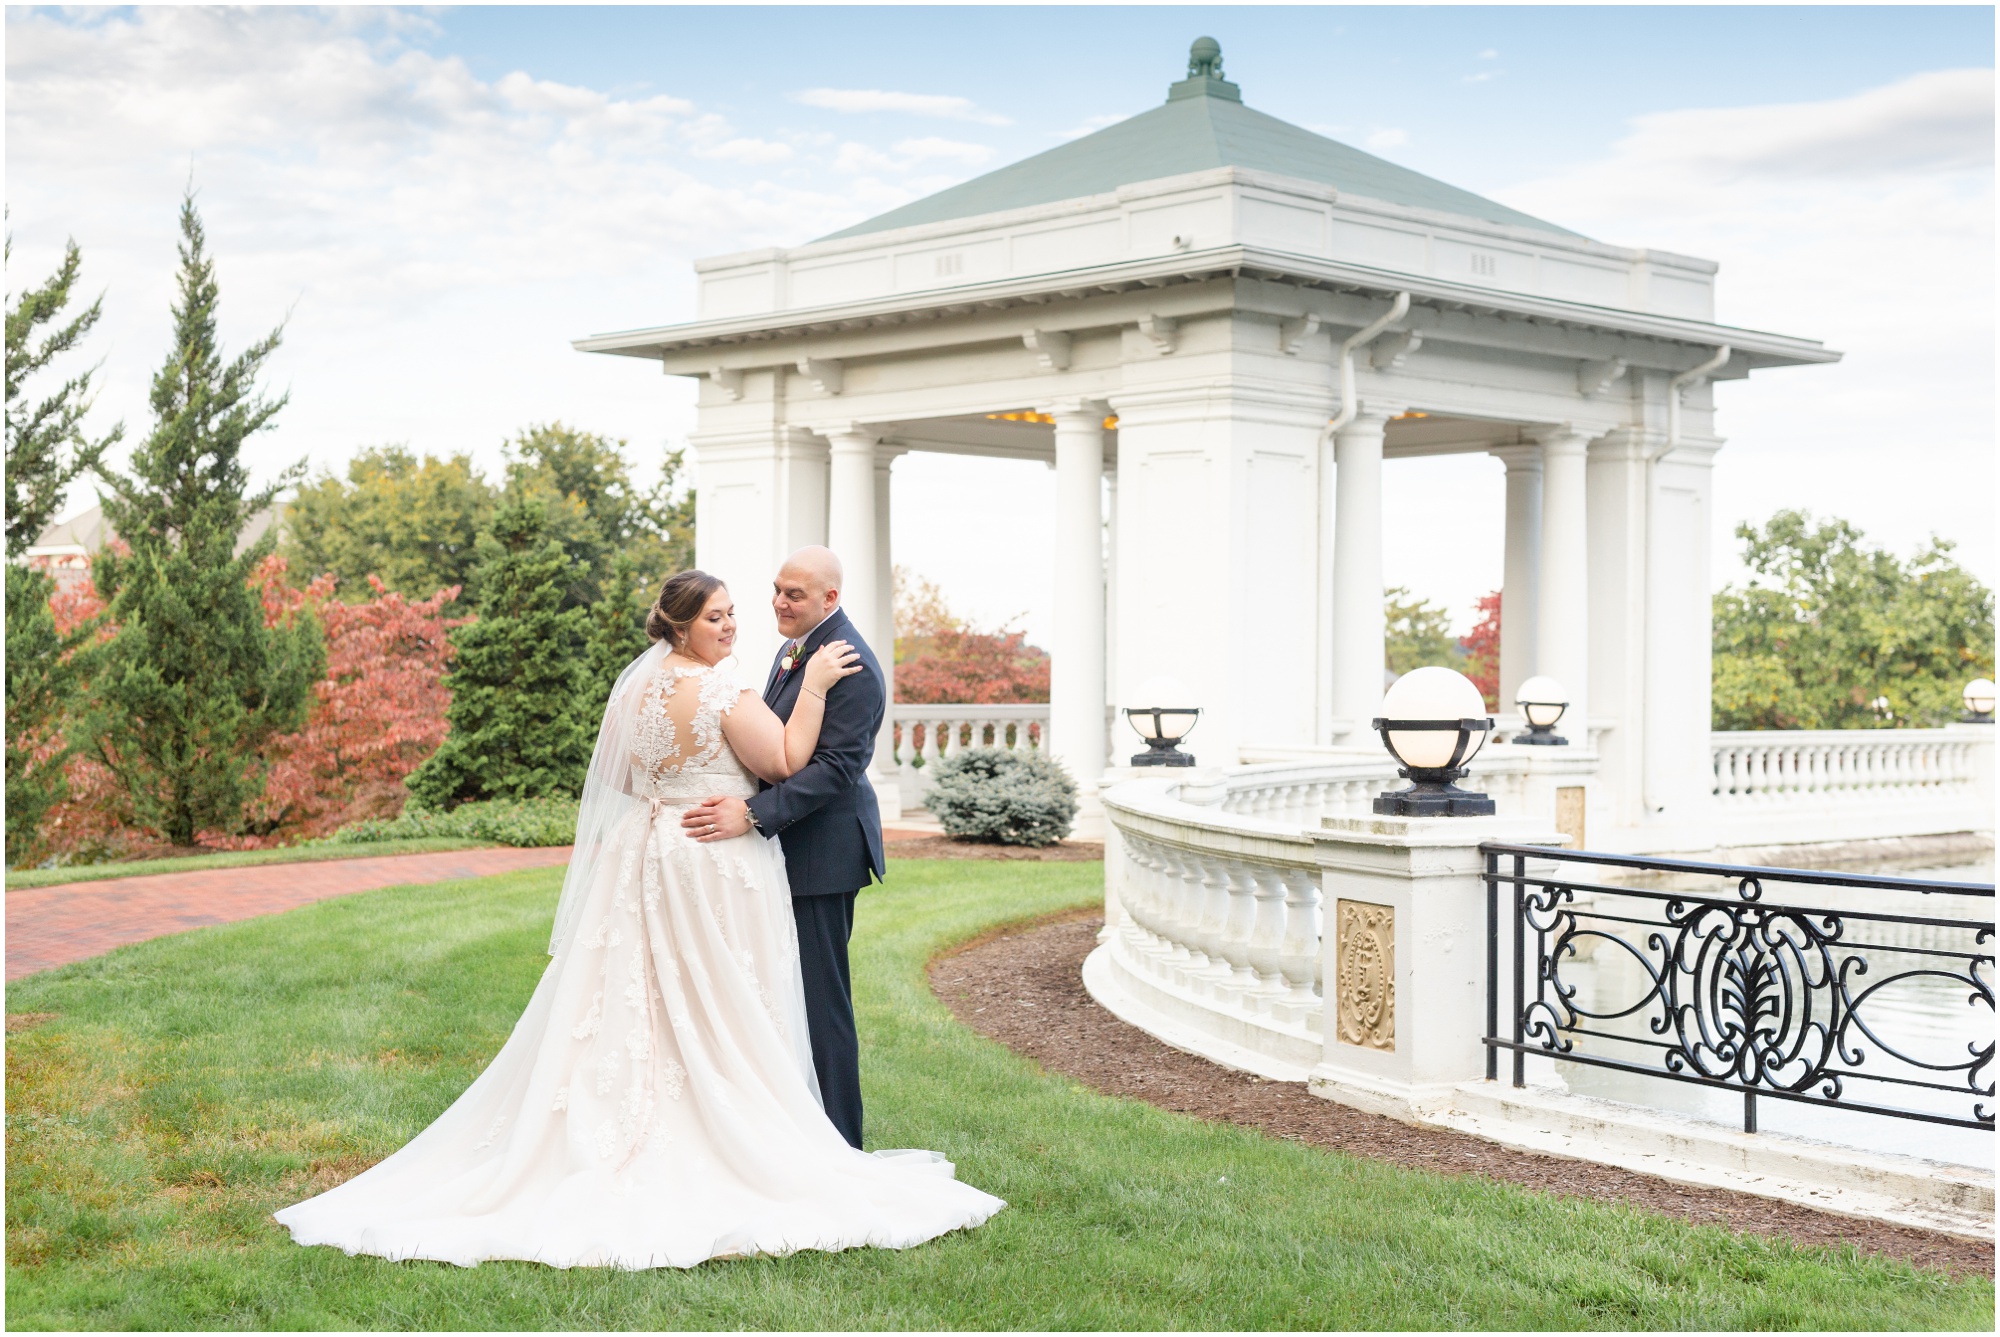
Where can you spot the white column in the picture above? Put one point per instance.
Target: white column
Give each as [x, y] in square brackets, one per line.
[762, 496]
[882, 636]
[1358, 634]
[1521, 578]
[1076, 673]
[1562, 608]
[851, 529]
[1111, 718]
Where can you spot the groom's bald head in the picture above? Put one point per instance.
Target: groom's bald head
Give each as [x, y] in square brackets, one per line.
[807, 590]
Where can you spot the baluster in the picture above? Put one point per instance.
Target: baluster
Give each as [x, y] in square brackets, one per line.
[1300, 956]
[1140, 900]
[1267, 933]
[1187, 895]
[1213, 925]
[1240, 927]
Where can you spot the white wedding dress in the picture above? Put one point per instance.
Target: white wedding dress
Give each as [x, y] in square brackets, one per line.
[655, 1105]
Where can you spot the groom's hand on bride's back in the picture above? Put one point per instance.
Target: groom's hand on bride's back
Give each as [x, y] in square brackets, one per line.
[716, 819]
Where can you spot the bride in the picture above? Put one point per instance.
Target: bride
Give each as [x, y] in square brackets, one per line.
[655, 1105]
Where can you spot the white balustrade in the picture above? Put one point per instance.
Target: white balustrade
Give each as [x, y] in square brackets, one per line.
[1764, 767]
[925, 735]
[1217, 891]
[1219, 919]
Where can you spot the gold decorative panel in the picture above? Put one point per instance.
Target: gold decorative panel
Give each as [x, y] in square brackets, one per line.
[1569, 815]
[1365, 970]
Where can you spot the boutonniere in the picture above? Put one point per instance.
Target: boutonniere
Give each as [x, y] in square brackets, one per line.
[791, 659]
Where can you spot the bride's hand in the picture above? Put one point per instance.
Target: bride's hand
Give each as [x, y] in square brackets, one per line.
[830, 663]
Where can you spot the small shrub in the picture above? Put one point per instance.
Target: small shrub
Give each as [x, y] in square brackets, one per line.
[1010, 795]
[521, 822]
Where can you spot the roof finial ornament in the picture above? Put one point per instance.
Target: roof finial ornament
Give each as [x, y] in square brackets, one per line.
[1204, 76]
[1205, 59]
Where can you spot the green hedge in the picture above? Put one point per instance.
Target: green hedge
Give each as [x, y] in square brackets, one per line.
[535, 821]
[1015, 796]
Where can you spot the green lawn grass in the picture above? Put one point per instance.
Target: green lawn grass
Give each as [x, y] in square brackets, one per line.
[19, 879]
[189, 1086]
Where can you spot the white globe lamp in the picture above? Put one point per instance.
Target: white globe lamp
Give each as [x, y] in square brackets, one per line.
[1433, 722]
[1979, 701]
[1542, 701]
[1166, 714]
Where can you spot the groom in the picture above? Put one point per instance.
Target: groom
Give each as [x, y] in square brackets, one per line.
[824, 816]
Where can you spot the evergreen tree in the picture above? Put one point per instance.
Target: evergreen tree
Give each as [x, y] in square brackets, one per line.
[617, 624]
[523, 710]
[46, 450]
[595, 510]
[46, 444]
[194, 683]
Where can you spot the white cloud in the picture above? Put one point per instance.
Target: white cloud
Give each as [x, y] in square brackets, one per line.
[1865, 221]
[745, 150]
[940, 105]
[1937, 121]
[1484, 76]
[436, 238]
[1489, 54]
[1380, 140]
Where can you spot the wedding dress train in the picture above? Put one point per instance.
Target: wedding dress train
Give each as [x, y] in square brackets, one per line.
[655, 1104]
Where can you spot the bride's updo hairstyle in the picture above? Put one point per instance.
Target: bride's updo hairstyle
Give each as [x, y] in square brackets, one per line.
[681, 600]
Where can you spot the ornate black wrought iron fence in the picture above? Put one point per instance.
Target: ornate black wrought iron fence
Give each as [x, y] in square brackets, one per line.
[1872, 994]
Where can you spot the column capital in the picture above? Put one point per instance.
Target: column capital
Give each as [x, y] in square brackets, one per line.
[1524, 458]
[1560, 438]
[1093, 411]
[888, 452]
[1372, 417]
[849, 433]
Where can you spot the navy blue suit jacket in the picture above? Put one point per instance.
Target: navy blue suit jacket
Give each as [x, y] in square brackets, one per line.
[825, 816]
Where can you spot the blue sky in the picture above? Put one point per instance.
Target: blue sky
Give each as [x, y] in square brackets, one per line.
[438, 200]
[1486, 94]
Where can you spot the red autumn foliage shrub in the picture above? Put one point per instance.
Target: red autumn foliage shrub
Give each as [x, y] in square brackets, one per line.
[1482, 650]
[957, 667]
[378, 713]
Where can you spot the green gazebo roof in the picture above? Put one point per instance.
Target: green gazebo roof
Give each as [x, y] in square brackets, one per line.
[1202, 125]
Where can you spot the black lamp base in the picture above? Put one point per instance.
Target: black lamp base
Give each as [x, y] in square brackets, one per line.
[1430, 798]
[1976, 717]
[1161, 753]
[1546, 736]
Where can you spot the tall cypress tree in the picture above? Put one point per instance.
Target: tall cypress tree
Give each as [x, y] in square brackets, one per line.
[617, 623]
[193, 684]
[46, 449]
[520, 684]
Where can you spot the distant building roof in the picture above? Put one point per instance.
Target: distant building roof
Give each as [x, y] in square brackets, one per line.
[1202, 125]
[88, 531]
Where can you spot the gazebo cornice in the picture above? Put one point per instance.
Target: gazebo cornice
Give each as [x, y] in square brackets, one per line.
[695, 347]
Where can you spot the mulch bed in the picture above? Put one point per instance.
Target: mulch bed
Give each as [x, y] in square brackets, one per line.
[1024, 988]
[950, 847]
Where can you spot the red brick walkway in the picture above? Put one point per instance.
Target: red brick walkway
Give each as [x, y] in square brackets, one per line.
[53, 926]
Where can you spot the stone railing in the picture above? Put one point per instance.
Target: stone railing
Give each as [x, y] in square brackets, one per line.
[1213, 926]
[1791, 786]
[1786, 766]
[924, 735]
[1344, 783]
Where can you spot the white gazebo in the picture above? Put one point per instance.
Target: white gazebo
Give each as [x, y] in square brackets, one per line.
[1217, 326]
